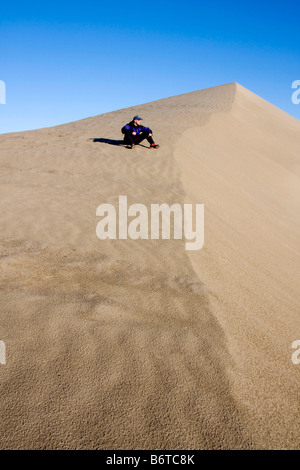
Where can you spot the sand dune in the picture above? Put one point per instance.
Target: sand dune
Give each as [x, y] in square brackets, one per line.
[140, 344]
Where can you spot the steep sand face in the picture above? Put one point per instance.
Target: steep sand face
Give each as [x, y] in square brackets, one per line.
[245, 167]
[140, 344]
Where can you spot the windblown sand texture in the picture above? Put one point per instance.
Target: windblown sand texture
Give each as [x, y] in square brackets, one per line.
[123, 344]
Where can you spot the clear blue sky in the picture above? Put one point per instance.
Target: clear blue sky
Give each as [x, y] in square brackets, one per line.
[63, 61]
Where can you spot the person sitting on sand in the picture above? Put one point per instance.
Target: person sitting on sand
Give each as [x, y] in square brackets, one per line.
[134, 133]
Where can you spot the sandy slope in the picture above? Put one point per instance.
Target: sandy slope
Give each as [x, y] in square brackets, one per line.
[140, 344]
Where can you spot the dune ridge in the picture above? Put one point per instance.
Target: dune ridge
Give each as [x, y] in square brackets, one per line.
[139, 344]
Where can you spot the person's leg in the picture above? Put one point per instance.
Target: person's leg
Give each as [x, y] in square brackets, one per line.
[129, 140]
[151, 142]
[144, 135]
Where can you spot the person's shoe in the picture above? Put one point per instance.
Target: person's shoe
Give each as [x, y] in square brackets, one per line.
[154, 146]
[130, 146]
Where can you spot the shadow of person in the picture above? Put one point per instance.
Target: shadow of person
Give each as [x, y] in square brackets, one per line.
[109, 141]
[119, 143]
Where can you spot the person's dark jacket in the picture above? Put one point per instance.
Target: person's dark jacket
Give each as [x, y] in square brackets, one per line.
[130, 127]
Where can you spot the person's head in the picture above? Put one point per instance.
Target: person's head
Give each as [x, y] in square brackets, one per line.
[137, 120]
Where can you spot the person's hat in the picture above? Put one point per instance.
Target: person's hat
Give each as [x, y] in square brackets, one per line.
[138, 118]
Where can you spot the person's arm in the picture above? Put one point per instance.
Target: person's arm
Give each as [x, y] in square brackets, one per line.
[125, 129]
[146, 129]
